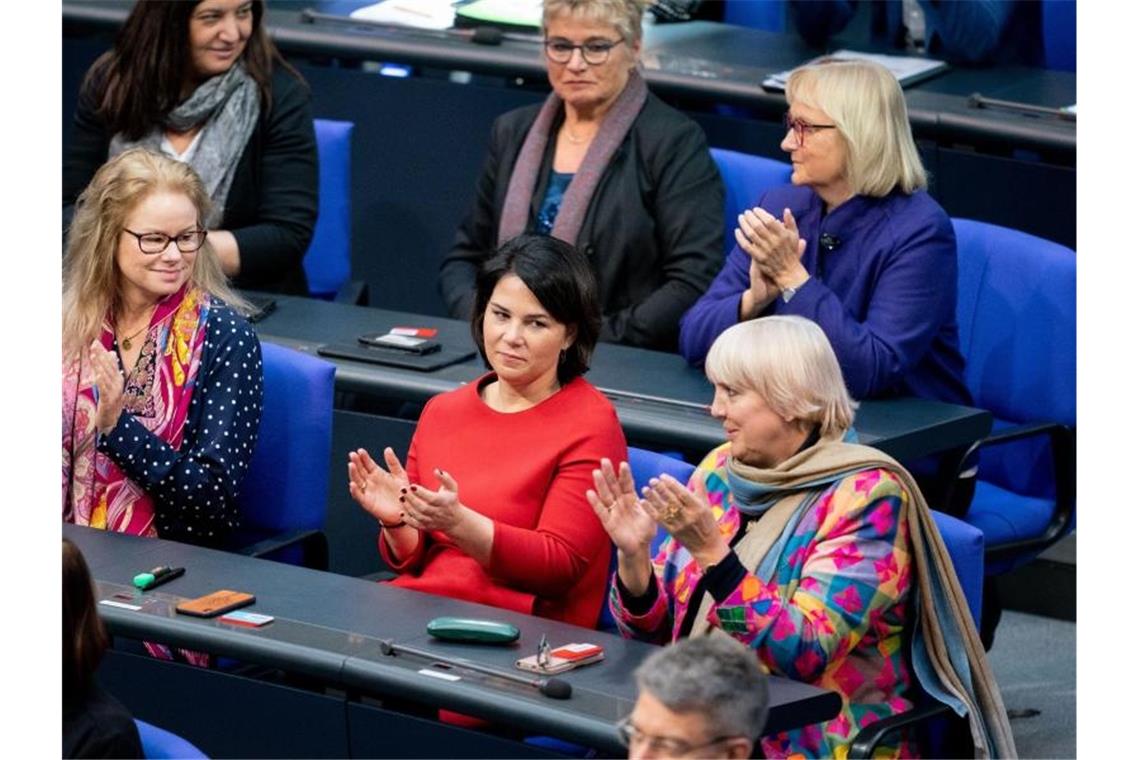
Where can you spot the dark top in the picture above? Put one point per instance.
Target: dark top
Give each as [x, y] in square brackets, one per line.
[552, 201]
[97, 725]
[272, 204]
[653, 232]
[195, 487]
[883, 286]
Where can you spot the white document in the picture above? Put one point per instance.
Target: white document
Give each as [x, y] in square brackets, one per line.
[421, 14]
[907, 69]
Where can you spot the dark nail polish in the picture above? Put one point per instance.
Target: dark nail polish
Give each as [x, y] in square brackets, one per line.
[403, 490]
[401, 499]
[413, 489]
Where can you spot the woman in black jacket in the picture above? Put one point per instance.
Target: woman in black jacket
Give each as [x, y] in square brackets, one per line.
[203, 83]
[606, 166]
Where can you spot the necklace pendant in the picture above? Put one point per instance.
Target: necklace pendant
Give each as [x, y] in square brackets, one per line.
[126, 344]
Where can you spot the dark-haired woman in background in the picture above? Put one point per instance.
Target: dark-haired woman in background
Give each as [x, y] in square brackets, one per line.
[203, 83]
[95, 724]
[491, 506]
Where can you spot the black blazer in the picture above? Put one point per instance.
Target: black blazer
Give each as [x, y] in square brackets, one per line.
[653, 231]
[272, 204]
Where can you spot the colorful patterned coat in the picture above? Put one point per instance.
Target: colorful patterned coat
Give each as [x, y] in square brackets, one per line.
[834, 616]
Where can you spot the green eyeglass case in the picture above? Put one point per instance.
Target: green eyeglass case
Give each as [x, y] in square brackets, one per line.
[472, 630]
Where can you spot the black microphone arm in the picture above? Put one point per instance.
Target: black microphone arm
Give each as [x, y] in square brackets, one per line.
[555, 688]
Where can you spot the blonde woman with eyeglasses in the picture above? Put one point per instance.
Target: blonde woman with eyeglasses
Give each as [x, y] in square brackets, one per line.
[162, 379]
[854, 243]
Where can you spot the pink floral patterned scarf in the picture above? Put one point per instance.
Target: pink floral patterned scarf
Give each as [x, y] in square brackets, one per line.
[96, 492]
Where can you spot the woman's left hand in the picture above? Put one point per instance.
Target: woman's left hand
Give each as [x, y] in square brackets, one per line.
[688, 518]
[434, 510]
[774, 245]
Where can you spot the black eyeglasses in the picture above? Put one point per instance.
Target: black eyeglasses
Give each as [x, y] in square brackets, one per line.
[630, 734]
[156, 242]
[594, 52]
[801, 127]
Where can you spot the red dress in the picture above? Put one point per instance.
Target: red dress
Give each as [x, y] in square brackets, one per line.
[529, 472]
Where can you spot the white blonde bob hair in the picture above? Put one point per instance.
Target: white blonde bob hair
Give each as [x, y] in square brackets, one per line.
[789, 362]
[866, 103]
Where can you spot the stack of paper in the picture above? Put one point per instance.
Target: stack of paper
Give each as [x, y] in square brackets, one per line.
[422, 14]
[907, 69]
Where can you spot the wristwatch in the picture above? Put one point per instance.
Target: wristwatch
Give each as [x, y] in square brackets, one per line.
[788, 293]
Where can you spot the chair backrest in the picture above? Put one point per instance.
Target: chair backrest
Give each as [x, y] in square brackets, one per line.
[1017, 331]
[160, 744]
[646, 464]
[746, 177]
[287, 483]
[769, 15]
[1059, 34]
[967, 547]
[329, 258]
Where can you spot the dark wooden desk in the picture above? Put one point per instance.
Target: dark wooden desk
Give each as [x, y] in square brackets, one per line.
[328, 628]
[661, 400]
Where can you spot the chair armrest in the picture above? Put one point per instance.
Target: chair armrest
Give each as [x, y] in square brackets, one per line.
[352, 291]
[314, 547]
[867, 740]
[1063, 446]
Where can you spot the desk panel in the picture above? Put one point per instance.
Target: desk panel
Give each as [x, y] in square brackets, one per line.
[329, 627]
[660, 400]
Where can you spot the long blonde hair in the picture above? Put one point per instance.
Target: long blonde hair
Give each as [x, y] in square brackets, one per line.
[92, 282]
[867, 104]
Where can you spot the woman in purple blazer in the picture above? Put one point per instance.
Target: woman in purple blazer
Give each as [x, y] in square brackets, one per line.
[854, 244]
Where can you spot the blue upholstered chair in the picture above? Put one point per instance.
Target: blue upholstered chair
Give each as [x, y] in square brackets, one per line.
[1059, 34]
[746, 178]
[936, 723]
[160, 744]
[1017, 328]
[769, 15]
[282, 499]
[328, 261]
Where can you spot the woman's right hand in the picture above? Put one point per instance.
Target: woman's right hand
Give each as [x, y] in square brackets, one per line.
[619, 509]
[376, 489]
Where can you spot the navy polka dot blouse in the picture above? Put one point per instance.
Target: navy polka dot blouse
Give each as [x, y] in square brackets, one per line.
[195, 487]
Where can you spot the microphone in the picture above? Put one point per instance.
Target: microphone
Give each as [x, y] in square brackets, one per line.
[555, 688]
[829, 242]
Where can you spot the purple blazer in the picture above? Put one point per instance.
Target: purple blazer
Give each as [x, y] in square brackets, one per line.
[883, 286]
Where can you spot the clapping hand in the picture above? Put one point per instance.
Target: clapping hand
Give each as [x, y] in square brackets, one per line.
[687, 516]
[434, 510]
[376, 489]
[620, 511]
[109, 386]
[775, 247]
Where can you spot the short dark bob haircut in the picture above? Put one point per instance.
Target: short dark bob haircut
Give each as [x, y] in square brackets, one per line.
[561, 279]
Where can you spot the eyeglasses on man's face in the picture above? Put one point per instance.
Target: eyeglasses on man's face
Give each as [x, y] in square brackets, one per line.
[156, 242]
[594, 52]
[631, 735]
[801, 127]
